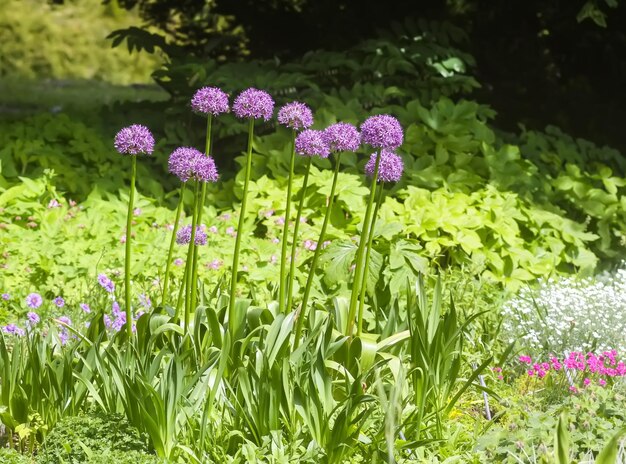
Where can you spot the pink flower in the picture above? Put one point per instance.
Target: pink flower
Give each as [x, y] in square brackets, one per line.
[531, 372]
[587, 381]
[525, 359]
[602, 382]
[573, 389]
[54, 204]
[213, 229]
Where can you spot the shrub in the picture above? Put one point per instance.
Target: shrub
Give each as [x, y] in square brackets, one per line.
[9, 456]
[73, 439]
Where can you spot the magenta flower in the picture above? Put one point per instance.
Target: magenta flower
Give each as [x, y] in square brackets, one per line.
[60, 302]
[311, 143]
[390, 167]
[183, 236]
[106, 283]
[134, 140]
[255, 104]
[296, 116]
[210, 100]
[342, 137]
[382, 131]
[34, 300]
[33, 318]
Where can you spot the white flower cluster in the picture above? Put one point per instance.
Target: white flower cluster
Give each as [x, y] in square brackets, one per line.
[570, 315]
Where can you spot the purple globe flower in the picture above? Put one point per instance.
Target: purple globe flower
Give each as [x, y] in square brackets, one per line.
[311, 143]
[60, 302]
[33, 318]
[134, 140]
[106, 283]
[296, 116]
[183, 237]
[182, 162]
[389, 169]
[34, 300]
[253, 103]
[342, 137]
[382, 131]
[205, 169]
[6, 296]
[210, 100]
[188, 163]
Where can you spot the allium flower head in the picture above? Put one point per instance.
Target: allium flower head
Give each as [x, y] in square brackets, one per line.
[210, 100]
[296, 116]
[382, 131]
[183, 236]
[389, 169]
[342, 137]
[106, 283]
[253, 103]
[188, 163]
[34, 300]
[134, 140]
[311, 143]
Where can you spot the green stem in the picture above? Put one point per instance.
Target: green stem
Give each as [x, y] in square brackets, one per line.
[181, 291]
[358, 271]
[242, 214]
[368, 250]
[283, 255]
[129, 223]
[190, 251]
[194, 265]
[320, 243]
[294, 244]
[170, 252]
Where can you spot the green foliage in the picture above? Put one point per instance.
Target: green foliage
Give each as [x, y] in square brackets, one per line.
[40, 40]
[528, 428]
[123, 457]
[9, 456]
[92, 438]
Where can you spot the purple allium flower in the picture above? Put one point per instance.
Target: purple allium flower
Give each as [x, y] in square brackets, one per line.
[342, 137]
[210, 100]
[253, 103]
[181, 162]
[382, 131]
[389, 169]
[311, 143]
[205, 169]
[85, 307]
[60, 302]
[65, 320]
[33, 318]
[183, 236]
[189, 163]
[106, 283]
[296, 116]
[13, 329]
[6, 296]
[34, 300]
[134, 140]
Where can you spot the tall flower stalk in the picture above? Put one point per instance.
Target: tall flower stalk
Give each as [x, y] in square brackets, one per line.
[190, 164]
[208, 101]
[170, 252]
[383, 132]
[389, 170]
[337, 138]
[297, 116]
[251, 104]
[133, 140]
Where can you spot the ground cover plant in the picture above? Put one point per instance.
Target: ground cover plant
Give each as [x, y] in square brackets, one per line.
[361, 287]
